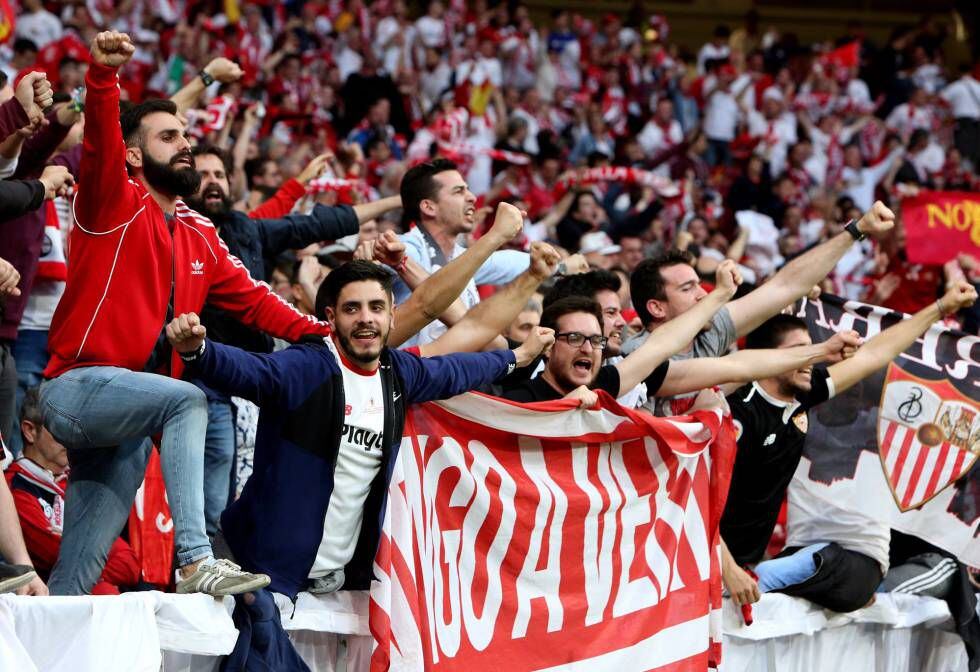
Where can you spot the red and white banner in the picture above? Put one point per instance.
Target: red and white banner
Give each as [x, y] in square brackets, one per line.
[547, 537]
[941, 224]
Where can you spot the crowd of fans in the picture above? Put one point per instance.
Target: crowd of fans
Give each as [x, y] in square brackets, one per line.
[480, 155]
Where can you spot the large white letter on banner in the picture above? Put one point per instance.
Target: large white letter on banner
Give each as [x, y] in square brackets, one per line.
[531, 582]
[443, 458]
[481, 628]
[640, 593]
[597, 559]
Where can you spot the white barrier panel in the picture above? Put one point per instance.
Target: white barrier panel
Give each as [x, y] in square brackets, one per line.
[898, 633]
[151, 631]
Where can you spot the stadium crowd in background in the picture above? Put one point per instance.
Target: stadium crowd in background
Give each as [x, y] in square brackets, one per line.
[586, 187]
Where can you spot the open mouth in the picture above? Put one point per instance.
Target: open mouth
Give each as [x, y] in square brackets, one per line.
[213, 195]
[469, 213]
[364, 336]
[582, 365]
[182, 160]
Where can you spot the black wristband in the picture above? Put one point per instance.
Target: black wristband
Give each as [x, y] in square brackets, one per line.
[852, 228]
[193, 356]
[206, 78]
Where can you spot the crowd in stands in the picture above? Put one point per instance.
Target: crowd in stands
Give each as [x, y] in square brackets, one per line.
[190, 186]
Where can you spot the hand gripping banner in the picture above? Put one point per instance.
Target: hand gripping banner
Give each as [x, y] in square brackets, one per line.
[547, 537]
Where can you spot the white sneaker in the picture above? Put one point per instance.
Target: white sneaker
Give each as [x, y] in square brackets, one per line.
[221, 577]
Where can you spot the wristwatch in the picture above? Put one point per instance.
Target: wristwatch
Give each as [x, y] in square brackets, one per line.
[206, 78]
[852, 228]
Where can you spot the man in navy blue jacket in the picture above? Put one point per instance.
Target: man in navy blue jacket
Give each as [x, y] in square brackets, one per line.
[254, 241]
[331, 425]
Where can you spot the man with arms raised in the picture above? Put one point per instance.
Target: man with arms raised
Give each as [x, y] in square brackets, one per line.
[436, 199]
[139, 256]
[574, 364]
[668, 286]
[330, 429]
[831, 561]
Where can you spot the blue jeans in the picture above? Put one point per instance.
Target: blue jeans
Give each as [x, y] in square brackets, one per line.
[787, 571]
[219, 456]
[30, 350]
[105, 417]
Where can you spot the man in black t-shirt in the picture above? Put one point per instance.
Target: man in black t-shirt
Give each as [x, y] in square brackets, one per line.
[771, 424]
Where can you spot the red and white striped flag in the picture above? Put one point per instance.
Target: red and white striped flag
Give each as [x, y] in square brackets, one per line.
[548, 537]
[926, 437]
[901, 447]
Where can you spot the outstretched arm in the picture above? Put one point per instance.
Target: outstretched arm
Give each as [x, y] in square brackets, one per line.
[887, 345]
[446, 376]
[670, 338]
[437, 293]
[262, 378]
[103, 165]
[799, 276]
[221, 69]
[374, 209]
[487, 319]
[747, 365]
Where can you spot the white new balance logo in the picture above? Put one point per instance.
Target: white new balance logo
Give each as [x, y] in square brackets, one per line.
[197, 267]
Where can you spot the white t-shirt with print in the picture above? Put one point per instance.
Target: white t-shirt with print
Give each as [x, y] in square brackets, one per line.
[358, 462]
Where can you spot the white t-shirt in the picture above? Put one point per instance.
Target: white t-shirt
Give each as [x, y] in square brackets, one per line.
[721, 116]
[431, 31]
[711, 52]
[655, 139]
[40, 27]
[963, 97]
[906, 118]
[776, 136]
[812, 519]
[358, 462]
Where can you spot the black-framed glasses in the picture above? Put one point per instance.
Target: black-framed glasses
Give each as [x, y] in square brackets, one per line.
[576, 339]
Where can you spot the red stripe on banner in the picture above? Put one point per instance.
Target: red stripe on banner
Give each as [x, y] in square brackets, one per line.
[917, 474]
[958, 464]
[937, 469]
[902, 455]
[889, 437]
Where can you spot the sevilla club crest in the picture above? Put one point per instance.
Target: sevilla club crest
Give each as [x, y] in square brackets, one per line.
[928, 436]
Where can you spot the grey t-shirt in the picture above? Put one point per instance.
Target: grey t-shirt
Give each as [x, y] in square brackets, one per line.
[712, 342]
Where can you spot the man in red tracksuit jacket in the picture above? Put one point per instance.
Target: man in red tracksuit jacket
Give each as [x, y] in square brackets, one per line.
[139, 256]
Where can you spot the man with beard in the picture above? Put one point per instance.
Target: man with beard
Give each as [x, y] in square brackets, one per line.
[139, 256]
[665, 287]
[574, 368]
[253, 241]
[331, 425]
[833, 557]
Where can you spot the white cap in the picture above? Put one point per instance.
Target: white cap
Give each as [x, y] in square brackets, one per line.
[598, 242]
[773, 93]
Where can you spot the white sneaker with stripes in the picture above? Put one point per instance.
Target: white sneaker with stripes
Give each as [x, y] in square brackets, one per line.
[221, 577]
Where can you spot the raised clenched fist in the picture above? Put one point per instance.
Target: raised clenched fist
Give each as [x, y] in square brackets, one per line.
[507, 222]
[728, 277]
[878, 219]
[112, 49]
[961, 294]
